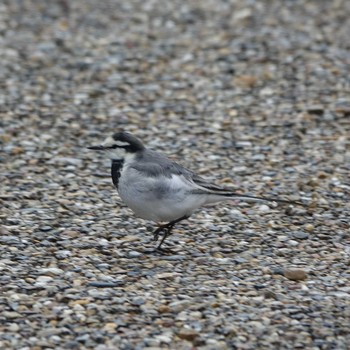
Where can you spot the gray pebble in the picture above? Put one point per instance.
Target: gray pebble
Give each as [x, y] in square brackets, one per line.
[300, 235]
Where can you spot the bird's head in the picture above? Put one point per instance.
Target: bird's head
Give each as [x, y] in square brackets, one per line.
[120, 146]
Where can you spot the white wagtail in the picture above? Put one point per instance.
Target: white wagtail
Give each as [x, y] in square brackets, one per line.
[159, 189]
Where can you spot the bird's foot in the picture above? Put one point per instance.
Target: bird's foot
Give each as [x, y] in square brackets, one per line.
[156, 235]
[165, 229]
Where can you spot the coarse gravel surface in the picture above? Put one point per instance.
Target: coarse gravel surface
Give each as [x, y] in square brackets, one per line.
[253, 95]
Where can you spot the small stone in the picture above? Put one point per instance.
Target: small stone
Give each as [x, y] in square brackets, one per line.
[268, 294]
[267, 91]
[197, 315]
[313, 182]
[163, 309]
[79, 302]
[110, 327]
[10, 314]
[322, 175]
[63, 254]
[233, 113]
[295, 274]
[45, 228]
[178, 306]
[71, 233]
[264, 208]
[164, 338]
[258, 157]
[243, 144]
[300, 235]
[343, 107]
[174, 257]
[293, 243]
[315, 109]
[187, 334]
[166, 275]
[309, 227]
[246, 81]
[43, 280]
[235, 213]
[237, 260]
[217, 345]
[17, 150]
[106, 284]
[152, 343]
[13, 327]
[52, 271]
[134, 254]
[138, 301]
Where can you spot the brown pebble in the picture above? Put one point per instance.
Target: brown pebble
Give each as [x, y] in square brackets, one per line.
[246, 81]
[322, 175]
[270, 295]
[163, 309]
[313, 182]
[17, 150]
[295, 274]
[187, 334]
[110, 327]
[80, 302]
[71, 233]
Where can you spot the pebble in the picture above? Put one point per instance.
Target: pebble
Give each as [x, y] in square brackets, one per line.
[264, 208]
[293, 243]
[134, 254]
[138, 301]
[43, 280]
[309, 227]
[166, 275]
[178, 306]
[54, 271]
[300, 235]
[105, 284]
[187, 334]
[295, 274]
[164, 338]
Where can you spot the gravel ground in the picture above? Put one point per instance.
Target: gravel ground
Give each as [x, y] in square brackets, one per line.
[251, 94]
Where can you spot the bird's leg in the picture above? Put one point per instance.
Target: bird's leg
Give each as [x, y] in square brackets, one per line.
[167, 230]
[167, 233]
[159, 230]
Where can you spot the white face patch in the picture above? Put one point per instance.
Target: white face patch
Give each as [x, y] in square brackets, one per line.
[108, 142]
[121, 143]
[117, 153]
[116, 148]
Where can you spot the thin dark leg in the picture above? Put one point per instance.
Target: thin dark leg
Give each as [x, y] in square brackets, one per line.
[166, 229]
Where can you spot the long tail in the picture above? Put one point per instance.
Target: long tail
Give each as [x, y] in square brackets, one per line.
[219, 192]
[255, 199]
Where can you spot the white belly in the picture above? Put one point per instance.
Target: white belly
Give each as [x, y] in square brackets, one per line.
[160, 200]
[164, 210]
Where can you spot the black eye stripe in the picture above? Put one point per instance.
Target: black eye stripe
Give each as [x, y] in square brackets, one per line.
[132, 148]
[117, 146]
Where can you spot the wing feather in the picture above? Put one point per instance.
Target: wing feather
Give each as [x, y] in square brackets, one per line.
[153, 164]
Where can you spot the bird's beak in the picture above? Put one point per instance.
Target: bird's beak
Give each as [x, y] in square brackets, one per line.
[97, 148]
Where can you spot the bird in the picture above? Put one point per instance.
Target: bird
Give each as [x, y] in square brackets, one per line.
[159, 189]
